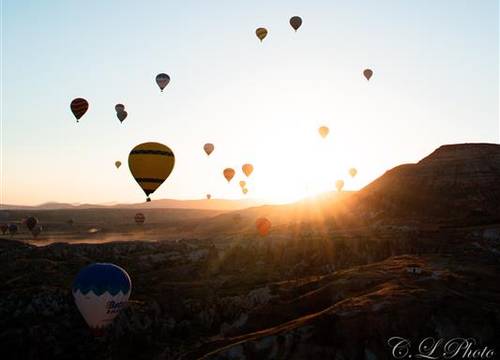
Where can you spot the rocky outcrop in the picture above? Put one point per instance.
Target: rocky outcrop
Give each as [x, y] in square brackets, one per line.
[456, 183]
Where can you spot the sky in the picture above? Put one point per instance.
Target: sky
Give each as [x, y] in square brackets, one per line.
[435, 82]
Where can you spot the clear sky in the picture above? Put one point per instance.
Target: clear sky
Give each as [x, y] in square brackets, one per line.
[435, 82]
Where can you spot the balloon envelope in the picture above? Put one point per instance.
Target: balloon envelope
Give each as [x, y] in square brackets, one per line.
[296, 22]
[244, 190]
[118, 164]
[247, 169]
[353, 172]
[228, 174]
[151, 164]
[263, 226]
[79, 107]
[139, 218]
[323, 131]
[261, 33]
[368, 73]
[208, 147]
[121, 115]
[31, 222]
[101, 290]
[209, 196]
[119, 107]
[162, 80]
[339, 184]
[243, 183]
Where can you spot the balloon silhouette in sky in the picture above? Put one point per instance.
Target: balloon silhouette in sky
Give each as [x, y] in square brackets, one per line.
[295, 22]
[151, 164]
[261, 33]
[79, 107]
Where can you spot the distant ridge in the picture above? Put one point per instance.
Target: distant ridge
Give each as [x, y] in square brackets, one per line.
[201, 204]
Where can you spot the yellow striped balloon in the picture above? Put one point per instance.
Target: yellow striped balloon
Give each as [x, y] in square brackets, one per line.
[151, 164]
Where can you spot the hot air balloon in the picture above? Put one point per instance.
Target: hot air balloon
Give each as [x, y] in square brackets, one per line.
[118, 164]
[323, 131]
[228, 174]
[162, 80]
[150, 164]
[209, 196]
[4, 228]
[31, 222]
[368, 73]
[121, 115]
[208, 147]
[79, 107]
[247, 169]
[244, 190]
[101, 290]
[353, 172]
[339, 184]
[261, 33]
[243, 183]
[139, 218]
[36, 231]
[263, 226]
[13, 229]
[296, 22]
[119, 107]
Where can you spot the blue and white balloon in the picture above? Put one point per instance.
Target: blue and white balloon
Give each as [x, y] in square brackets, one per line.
[101, 290]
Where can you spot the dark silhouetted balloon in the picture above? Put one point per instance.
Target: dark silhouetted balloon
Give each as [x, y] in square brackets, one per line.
[79, 107]
[261, 33]
[162, 80]
[296, 22]
[139, 218]
[118, 164]
[368, 73]
[4, 228]
[31, 222]
[121, 115]
[119, 107]
[209, 196]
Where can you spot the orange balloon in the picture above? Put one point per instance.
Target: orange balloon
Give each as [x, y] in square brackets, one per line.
[228, 174]
[323, 131]
[263, 226]
[243, 183]
[247, 169]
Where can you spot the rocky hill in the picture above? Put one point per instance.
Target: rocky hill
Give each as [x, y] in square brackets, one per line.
[355, 271]
[455, 183]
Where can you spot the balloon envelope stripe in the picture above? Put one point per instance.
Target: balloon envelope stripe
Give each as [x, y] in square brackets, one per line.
[151, 152]
[150, 180]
